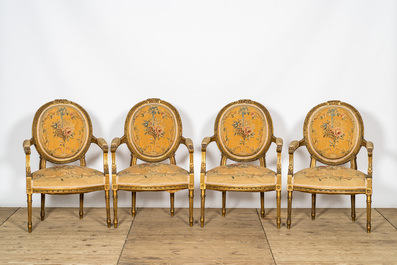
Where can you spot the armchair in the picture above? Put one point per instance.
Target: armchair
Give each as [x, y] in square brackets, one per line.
[62, 133]
[153, 133]
[243, 132]
[333, 135]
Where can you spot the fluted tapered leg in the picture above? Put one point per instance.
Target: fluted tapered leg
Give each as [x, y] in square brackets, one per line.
[42, 213]
[223, 203]
[278, 209]
[369, 200]
[262, 204]
[107, 200]
[115, 221]
[172, 200]
[353, 208]
[133, 203]
[191, 196]
[289, 209]
[29, 213]
[313, 206]
[202, 207]
[81, 213]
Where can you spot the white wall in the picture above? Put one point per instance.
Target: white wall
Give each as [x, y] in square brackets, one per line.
[199, 55]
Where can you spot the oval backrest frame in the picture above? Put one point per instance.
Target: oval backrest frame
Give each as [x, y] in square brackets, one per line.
[155, 129]
[55, 139]
[335, 131]
[245, 128]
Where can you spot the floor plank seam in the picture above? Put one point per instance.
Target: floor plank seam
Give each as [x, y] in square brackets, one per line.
[126, 239]
[386, 219]
[264, 232]
[10, 216]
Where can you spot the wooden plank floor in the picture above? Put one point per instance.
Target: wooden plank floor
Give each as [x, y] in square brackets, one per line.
[154, 237]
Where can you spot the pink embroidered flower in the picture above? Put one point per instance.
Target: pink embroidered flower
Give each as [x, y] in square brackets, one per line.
[67, 131]
[247, 131]
[159, 130]
[337, 132]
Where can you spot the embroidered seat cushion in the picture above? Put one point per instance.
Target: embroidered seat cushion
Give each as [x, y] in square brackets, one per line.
[243, 175]
[153, 174]
[67, 176]
[330, 177]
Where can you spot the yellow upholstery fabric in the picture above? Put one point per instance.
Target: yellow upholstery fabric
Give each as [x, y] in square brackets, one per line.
[241, 175]
[330, 176]
[63, 131]
[242, 130]
[153, 129]
[152, 174]
[66, 177]
[333, 132]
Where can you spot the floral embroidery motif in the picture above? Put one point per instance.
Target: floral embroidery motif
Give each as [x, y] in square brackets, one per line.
[243, 130]
[153, 129]
[333, 132]
[63, 131]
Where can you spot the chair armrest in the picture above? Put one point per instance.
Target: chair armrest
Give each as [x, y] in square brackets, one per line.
[26, 146]
[115, 144]
[103, 144]
[205, 143]
[293, 146]
[279, 143]
[370, 147]
[189, 144]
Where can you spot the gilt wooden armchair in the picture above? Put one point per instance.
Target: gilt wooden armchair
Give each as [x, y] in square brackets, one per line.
[333, 134]
[243, 132]
[62, 133]
[153, 133]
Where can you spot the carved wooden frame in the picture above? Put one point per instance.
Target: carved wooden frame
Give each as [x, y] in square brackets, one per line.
[261, 155]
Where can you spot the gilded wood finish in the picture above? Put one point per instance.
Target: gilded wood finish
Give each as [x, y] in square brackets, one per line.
[62, 133]
[339, 136]
[243, 132]
[153, 133]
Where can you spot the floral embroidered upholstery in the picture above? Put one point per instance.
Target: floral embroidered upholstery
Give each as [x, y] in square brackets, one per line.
[152, 129]
[330, 177]
[333, 132]
[243, 130]
[241, 175]
[62, 132]
[67, 176]
[152, 174]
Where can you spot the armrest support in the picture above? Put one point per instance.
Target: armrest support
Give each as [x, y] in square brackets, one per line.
[104, 146]
[370, 148]
[26, 147]
[204, 145]
[279, 143]
[189, 144]
[115, 144]
[292, 148]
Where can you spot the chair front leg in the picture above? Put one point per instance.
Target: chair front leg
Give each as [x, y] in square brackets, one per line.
[81, 213]
[202, 207]
[278, 208]
[107, 200]
[313, 206]
[191, 196]
[262, 204]
[289, 209]
[29, 213]
[133, 203]
[172, 200]
[353, 207]
[115, 221]
[369, 200]
[42, 214]
[223, 203]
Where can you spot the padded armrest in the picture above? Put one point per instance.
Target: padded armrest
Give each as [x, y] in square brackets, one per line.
[189, 144]
[102, 144]
[26, 146]
[205, 142]
[279, 143]
[293, 146]
[115, 143]
[370, 147]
